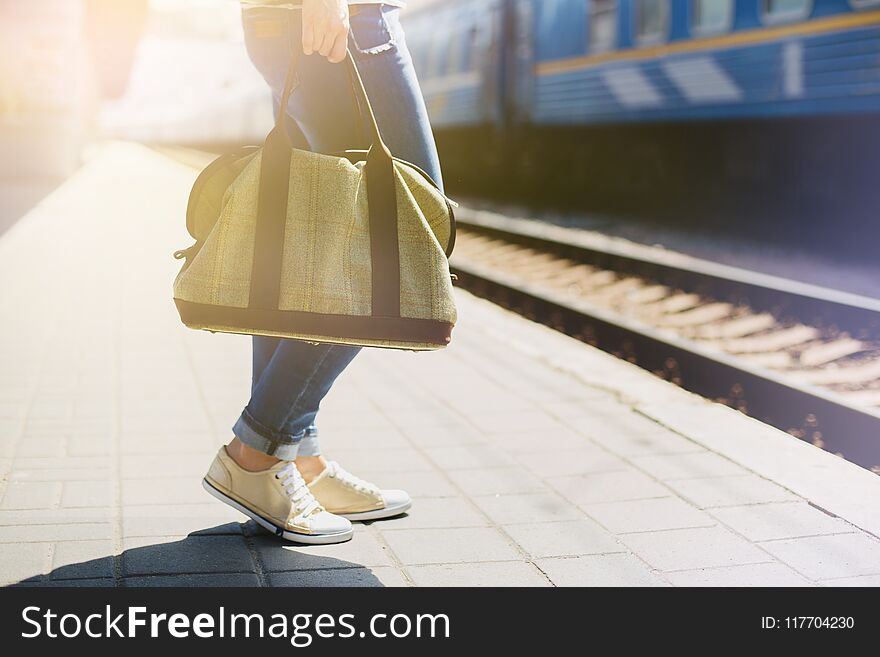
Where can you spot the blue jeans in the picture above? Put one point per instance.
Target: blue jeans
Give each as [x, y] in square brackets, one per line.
[290, 378]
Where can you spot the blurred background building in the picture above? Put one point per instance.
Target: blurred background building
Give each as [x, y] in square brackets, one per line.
[695, 112]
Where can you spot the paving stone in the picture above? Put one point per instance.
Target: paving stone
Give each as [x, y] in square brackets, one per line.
[570, 462]
[31, 495]
[185, 423]
[826, 557]
[469, 457]
[697, 465]
[529, 442]
[527, 507]
[363, 439]
[563, 539]
[758, 574]
[426, 415]
[180, 519]
[584, 407]
[688, 549]
[38, 432]
[865, 580]
[765, 522]
[68, 583]
[600, 570]
[41, 533]
[520, 403]
[90, 464]
[730, 491]
[496, 481]
[443, 436]
[237, 580]
[615, 486]
[368, 419]
[37, 446]
[147, 442]
[22, 561]
[418, 484]
[380, 460]
[648, 515]
[630, 434]
[438, 512]
[82, 560]
[55, 516]
[505, 573]
[193, 554]
[345, 577]
[88, 494]
[185, 490]
[362, 550]
[89, 446]
[63, 474]
[7, 443]
[158, 466]
[484, 398]
[474, 544]
[538, 423]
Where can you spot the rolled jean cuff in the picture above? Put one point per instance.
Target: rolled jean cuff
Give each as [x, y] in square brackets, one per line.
[252, 434]
[309, 446]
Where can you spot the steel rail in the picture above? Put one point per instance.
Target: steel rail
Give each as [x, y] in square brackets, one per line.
[819, 416]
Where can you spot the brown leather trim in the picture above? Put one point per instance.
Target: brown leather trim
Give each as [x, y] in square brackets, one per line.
[397, 329]
[271, 222]
[384, 240]
[274, 196]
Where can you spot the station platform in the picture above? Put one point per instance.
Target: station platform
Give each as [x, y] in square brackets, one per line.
[534, 459]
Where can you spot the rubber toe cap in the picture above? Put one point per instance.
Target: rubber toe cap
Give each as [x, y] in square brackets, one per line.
[396, 499]
[329, 523]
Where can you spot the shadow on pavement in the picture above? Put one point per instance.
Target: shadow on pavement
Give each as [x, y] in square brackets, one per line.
[233, 554]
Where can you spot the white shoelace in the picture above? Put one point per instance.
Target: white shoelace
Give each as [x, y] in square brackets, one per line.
[338, 472]
[295, 486]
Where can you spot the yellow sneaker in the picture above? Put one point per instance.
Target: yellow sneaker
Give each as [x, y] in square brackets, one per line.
[278, 499]
[343, 494]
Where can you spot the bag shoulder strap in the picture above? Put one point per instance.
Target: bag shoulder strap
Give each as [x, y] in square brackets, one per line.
[266, 273]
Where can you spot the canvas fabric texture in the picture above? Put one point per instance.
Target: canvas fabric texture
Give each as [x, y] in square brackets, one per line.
[326, 264]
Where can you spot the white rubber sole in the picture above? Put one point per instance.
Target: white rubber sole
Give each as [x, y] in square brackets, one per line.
[280, 532]
[378, 514]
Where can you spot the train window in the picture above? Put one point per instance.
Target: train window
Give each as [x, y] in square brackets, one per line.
[652, 20]
[602, 25]
[434, 59]
[786, 10]
[711, 16]
[468, 60]
[860, 4]
[454, 54]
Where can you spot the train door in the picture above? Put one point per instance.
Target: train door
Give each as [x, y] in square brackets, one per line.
[491, 34]
[520, 54]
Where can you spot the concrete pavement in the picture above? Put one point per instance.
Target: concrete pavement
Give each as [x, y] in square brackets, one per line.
[534, 460]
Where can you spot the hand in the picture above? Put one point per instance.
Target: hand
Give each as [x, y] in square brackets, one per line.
[325, 28]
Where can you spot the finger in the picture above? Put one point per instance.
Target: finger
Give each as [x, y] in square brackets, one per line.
[337, 54]
[308, 37]
[328, 41]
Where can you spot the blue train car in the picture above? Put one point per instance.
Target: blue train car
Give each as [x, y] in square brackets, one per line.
[650, 60]
[679, 105]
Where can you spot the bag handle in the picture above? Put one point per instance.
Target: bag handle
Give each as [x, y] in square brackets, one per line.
[362, 101]
[273, 196]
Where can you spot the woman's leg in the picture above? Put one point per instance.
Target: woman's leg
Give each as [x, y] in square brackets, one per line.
[253, 474]
[292, 377]
[285, 399]
[292, 382]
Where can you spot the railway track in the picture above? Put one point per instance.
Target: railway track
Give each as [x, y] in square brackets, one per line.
[802, 358]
